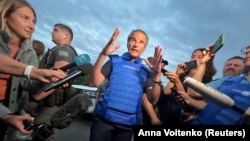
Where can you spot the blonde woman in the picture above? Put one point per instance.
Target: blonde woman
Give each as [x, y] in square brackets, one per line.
[17, 24]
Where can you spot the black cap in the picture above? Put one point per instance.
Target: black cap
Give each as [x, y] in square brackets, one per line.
[165, 62]
[150, 59]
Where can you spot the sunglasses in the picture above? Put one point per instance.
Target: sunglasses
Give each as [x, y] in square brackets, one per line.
[244, 51]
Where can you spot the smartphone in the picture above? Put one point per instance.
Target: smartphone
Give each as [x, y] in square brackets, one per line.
[164, 70]
[191, 64]
[218, 44]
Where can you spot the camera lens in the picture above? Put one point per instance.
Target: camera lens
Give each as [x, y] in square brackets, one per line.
[28, 125]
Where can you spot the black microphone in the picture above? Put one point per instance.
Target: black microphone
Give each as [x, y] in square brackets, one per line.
[72, 109]
[78, 61]
[82, 70]
[212, 94]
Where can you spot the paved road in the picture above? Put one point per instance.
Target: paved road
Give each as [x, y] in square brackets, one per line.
[79, 130]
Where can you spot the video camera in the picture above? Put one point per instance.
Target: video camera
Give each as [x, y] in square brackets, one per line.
[41, 131]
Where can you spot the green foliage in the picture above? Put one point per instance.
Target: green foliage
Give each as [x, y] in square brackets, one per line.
[82, 80]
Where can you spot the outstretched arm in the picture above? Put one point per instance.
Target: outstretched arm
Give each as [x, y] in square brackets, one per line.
[208, 56]
[46, 75]
[174, 81]
[96, 77]
[197, 104]
[13, 67]
[153, 93]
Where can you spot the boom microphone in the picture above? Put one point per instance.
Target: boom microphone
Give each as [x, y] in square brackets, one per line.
[212, 94]
[78, 61]
[82, 70]
[72, 109]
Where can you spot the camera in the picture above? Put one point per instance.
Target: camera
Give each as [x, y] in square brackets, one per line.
[41, 131]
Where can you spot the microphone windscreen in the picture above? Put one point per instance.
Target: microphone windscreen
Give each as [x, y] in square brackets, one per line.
[209, 93]
[72, 109]
[86, 69]
[82, 59]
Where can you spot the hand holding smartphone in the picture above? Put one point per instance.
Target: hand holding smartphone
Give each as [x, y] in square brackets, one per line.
[218, 44]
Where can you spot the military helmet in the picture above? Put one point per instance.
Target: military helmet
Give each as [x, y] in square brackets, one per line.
[39, 47]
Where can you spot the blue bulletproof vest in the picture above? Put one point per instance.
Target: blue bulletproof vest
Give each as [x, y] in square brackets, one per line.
[121, 101]
[213, 114]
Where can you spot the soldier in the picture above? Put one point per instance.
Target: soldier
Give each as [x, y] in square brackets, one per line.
[39, 48]
[60, 55]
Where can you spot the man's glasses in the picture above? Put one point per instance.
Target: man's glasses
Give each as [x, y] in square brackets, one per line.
[244, 51]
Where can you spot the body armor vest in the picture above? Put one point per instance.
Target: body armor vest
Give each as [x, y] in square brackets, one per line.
[121, 101]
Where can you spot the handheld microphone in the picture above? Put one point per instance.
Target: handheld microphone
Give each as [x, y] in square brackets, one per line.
[82, 70]
[72, 109]
[78, 61]
[212, 94]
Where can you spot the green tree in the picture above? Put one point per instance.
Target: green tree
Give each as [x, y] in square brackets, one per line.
[82, 80]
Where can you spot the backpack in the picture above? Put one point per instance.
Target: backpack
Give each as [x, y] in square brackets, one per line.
[60, 95]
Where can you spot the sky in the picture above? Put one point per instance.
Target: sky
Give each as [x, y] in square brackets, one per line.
[178, 26]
